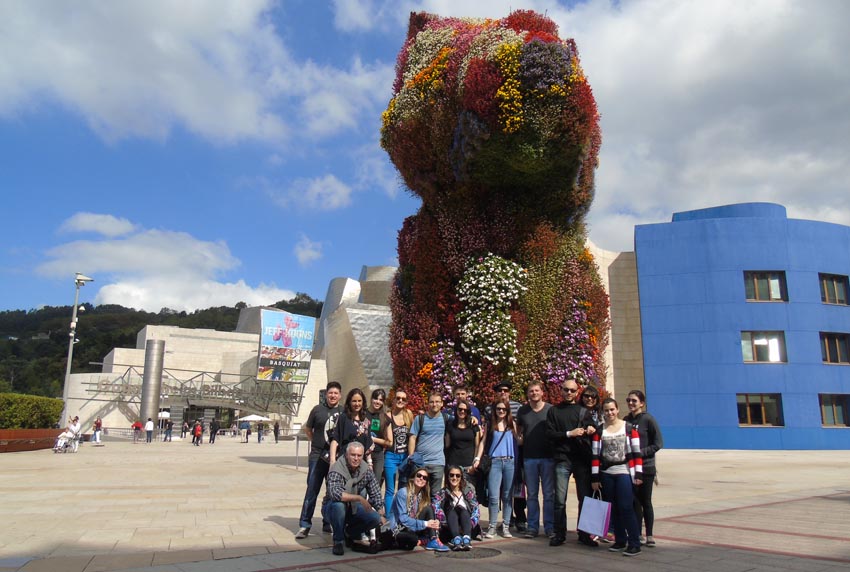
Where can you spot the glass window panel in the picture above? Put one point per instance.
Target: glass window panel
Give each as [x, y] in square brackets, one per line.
[775, 288]
[750, 287]
[771, 411]
[747, 346]
[774, 351]
[842, 349]
[830, 290]
[755, 414]
[841, 291]
[761, 287]
[824, 348]
[841, 411]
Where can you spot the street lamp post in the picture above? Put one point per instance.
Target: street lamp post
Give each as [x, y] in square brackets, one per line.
[79, 280]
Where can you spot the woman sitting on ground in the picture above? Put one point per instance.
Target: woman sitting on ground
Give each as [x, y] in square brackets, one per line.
[411, 517]
[456, 506]
[615, 468]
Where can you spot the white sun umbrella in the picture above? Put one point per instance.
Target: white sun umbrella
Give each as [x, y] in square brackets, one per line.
[254, 417]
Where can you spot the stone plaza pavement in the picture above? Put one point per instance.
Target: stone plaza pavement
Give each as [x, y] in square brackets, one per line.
[172, 507]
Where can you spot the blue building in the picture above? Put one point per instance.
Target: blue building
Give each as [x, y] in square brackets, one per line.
[745, 327]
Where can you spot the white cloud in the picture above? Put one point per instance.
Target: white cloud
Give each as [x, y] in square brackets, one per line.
[107, 225]
[320, 193]
[152, 269]
[154, 293]
[373, 170]
[306, 251]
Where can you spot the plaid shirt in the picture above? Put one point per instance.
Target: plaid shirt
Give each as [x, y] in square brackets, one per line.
[336, 487]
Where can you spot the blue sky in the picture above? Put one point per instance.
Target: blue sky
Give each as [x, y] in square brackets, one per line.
[193, 154]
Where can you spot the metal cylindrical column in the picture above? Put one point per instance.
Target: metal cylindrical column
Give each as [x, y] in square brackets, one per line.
[152, 380]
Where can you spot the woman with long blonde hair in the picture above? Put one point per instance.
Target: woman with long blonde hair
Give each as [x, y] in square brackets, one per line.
[399, 420]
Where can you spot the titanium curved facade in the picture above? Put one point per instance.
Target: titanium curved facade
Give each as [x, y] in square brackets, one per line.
[745, 326]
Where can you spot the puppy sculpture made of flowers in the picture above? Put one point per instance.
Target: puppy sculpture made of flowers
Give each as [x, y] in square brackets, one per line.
[494, 126]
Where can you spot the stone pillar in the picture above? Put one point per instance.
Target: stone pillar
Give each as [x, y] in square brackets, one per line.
[152, 380]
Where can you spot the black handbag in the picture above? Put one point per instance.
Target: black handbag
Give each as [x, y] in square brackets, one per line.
[485, 462]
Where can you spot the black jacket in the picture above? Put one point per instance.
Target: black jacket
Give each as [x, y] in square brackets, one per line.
[560, 419]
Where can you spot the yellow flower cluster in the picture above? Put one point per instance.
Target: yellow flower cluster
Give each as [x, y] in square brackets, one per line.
[577, 74]
[387, 118]
[509, 95]
[425, 371]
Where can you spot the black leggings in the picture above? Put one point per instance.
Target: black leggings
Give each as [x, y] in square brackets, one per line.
[643, 502]
[459, 522]
[408, 539]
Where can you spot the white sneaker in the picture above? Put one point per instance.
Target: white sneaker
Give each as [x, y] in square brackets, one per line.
[491, 532]
[506, 531]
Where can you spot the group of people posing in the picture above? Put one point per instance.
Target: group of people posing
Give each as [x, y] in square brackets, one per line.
[437, 467]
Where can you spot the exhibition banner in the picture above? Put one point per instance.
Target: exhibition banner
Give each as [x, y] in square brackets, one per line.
[286, 345]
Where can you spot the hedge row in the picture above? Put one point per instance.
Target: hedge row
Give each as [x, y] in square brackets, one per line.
[18, 411]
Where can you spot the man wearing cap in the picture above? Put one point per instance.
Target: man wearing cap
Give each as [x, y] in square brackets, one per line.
[565, 431]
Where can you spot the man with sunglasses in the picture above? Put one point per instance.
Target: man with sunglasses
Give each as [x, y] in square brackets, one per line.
[564, 429]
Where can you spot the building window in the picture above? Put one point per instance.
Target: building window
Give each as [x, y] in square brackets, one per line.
[833, 289]
[833, 410]
[763, 347]
[765, 286]
[833, 348]
[760, 409]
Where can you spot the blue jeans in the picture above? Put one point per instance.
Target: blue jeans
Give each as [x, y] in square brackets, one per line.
[617, 489]
[358, 520]
[317, 471]
[539, 471]
[392, 461]
[500, 484]
[579, 470]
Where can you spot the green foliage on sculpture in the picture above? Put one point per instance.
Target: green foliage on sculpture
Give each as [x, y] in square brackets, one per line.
[493, 124]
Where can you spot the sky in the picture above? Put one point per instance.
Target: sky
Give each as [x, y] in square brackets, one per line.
[202, 153]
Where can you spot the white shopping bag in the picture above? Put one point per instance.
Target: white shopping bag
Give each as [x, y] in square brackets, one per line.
[595, 516]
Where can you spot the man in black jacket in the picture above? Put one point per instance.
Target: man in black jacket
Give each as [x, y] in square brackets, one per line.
[567, 436]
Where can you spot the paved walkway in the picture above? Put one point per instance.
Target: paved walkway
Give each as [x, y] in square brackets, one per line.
[172, 507]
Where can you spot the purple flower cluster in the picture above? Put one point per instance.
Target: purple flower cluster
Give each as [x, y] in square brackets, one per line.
[544, 64]
[448, 371]
[572, 353]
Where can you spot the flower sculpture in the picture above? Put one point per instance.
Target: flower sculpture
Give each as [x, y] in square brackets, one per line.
[493, 125]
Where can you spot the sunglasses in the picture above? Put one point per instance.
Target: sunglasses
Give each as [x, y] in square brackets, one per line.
[454, 476]
[632, 401]
[462, 410]
[503, 390]
[501, 409]
[586, 396]
[401, 399]
[569, 389]
[421, 476]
